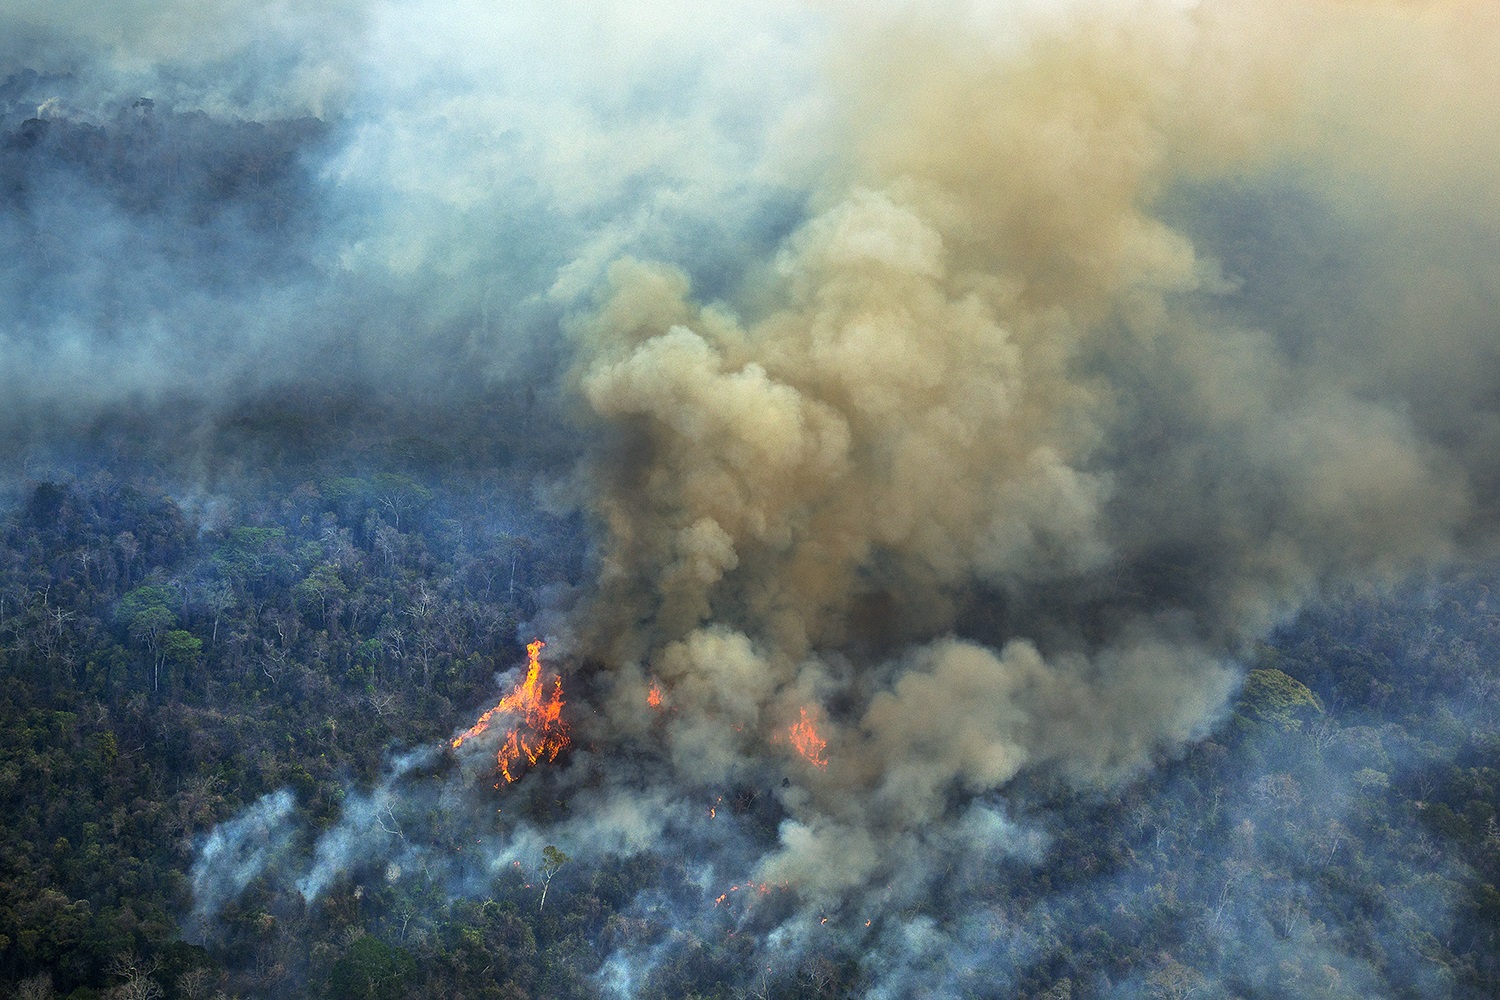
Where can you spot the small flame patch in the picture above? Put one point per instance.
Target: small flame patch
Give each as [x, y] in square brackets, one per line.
[760, 888]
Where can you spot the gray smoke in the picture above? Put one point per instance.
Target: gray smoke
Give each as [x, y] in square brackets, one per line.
[240, 223]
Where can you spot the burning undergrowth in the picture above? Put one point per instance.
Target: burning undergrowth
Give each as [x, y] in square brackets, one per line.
[684, 857]
[537, 731]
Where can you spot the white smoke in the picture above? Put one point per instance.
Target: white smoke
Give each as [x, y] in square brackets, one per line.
[237, 852]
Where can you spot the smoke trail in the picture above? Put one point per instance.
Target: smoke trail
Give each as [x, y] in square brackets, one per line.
[237, 852]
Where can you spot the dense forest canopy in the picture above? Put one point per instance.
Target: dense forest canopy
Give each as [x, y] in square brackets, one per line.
[177, 690]
[546, 501]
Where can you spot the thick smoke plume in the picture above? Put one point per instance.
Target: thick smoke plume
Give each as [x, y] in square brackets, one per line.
[987, 468]
[970, 386]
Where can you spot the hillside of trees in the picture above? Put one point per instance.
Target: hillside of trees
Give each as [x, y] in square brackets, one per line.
[168, 660]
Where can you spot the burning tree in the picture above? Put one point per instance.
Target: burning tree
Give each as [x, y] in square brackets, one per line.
[540, 731]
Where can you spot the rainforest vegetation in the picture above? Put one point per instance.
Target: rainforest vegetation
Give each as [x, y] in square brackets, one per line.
[1029, 482]
[167, 662]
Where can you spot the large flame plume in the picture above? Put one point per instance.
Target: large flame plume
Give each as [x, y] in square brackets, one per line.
[805, 738]
[540, 732]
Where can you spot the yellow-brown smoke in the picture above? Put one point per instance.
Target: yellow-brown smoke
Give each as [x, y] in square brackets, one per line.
[984, 463]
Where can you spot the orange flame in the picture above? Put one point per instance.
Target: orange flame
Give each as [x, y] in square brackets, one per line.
[809, 744]
[654, 697]
[540, 733]
[763, 888]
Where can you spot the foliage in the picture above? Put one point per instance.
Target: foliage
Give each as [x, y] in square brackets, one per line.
[1337, 836]
[156, 675]
[372, 970]
[1273, 698]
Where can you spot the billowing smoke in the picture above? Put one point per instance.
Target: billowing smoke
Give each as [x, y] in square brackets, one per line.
[961, 392]
[989, 469]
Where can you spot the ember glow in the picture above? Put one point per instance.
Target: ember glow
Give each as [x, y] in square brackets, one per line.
[804, 736]
[540, 732]
[654, 697]
[760, 888]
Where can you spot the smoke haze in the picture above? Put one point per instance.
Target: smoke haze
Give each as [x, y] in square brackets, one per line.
[975, 385]
[997, 387]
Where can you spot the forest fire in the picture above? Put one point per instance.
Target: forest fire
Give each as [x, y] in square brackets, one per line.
[808, 743]
[761, 888]
[653, 698]
[541, 731]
